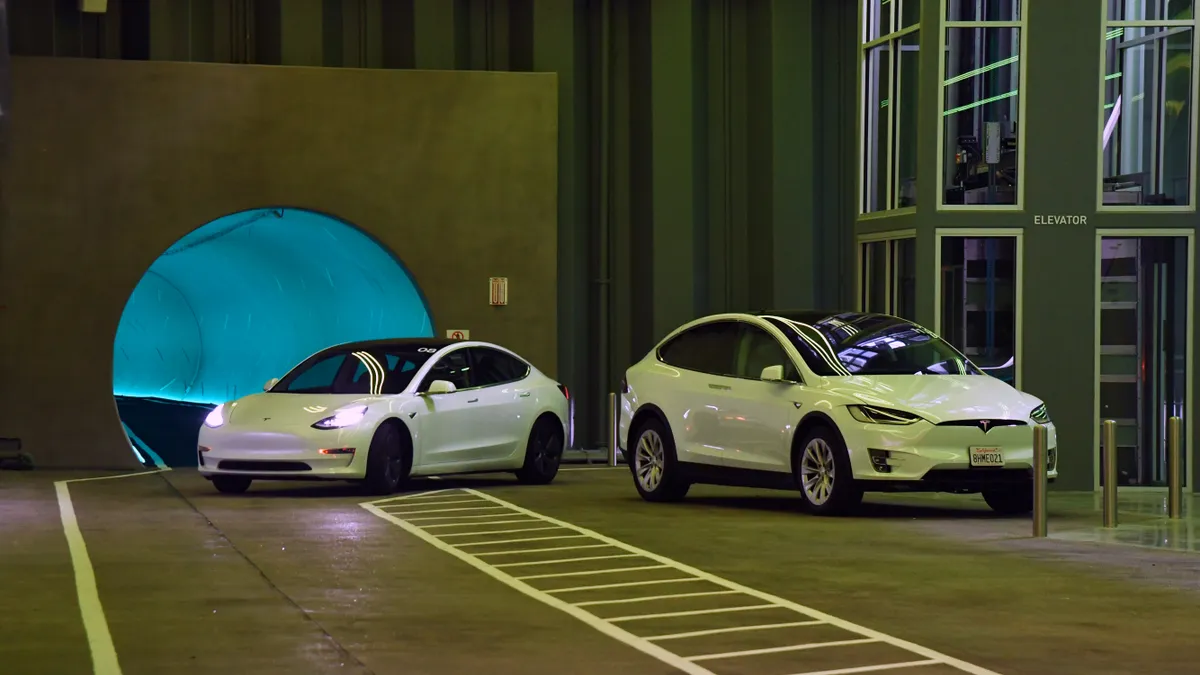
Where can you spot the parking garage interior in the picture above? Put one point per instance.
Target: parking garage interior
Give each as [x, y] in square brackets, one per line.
[197, 196]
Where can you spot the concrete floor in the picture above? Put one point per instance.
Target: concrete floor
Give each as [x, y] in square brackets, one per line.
[302, 578]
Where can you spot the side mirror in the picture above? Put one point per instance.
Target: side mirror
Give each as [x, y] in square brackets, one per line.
[270, 383]
[441, 387]
[772, 374]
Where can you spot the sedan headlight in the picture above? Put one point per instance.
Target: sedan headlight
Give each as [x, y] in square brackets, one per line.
[1039, 415]
[216, 417]
[346, 417]
[869, 414]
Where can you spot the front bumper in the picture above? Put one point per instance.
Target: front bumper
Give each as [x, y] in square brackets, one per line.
[939, 456]
[293, 455]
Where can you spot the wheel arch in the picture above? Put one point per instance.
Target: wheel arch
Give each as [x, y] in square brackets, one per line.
[644, 412]
[807, 423]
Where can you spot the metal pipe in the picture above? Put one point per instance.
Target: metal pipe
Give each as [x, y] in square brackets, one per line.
[613, 420]
[1110, 473]
[1041, 464]
[1174, 470]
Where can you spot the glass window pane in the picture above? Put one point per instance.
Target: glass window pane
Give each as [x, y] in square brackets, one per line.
[876, 127]
[1147, 140]
[979, 303]
[981, 95]
[453, 368]
[1150, 10]
[910, 13]
[877, 19]
[908, 72]
[983, 10]
[904, 271]
[877, 292]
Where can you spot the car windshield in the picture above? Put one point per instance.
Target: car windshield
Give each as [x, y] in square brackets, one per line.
[373, 371]
[872, 344]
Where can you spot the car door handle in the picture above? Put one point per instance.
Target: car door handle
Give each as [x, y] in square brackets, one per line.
[723, 387]
[524, 394]
[473, 400]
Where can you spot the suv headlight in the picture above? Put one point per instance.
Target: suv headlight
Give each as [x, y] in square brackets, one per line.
[869, 414]
[1039, 415]
[346, 417]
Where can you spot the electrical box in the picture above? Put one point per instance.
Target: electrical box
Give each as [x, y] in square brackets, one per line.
[498, 291]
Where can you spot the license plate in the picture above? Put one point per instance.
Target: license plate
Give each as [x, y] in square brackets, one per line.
[981, 456]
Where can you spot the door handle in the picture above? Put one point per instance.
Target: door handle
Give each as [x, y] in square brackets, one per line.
[473, 400]
[722, 387]
[524, 394]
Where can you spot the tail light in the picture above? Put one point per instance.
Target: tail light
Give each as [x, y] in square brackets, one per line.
[565, 392]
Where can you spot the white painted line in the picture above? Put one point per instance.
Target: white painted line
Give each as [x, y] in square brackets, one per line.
[91, 611]
[691, 612]
[872, 669]
[733, 629]
[582, 573]
[540, 550]
[488, 515]
[623, 584]
[523, 520]
[599, 624]
[651, 598]
[767, 597]
[520, 529]
[518, 541]
[778, 650]
[457, 508]
[431, 503]
[560, 561]
[414, 496]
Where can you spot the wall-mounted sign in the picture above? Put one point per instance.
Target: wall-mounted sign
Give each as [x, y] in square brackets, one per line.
[458, 334]
[498, 291]
[1045, 219]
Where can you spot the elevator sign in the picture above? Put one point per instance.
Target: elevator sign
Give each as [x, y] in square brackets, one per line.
[498, 291]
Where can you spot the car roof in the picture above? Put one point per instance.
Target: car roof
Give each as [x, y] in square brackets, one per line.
[811, 316]
[394, 342]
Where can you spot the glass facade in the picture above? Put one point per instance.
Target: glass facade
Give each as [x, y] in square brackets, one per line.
[979, 297]
[888, 276]
[890, 52]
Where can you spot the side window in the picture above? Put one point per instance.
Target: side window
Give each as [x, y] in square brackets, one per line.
[707, 348]
[318, 377]
[453, 367]
[495, 367]
[758, 349]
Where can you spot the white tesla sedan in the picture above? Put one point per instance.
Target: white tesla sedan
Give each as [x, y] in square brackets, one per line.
[381, 411]
[833, 404]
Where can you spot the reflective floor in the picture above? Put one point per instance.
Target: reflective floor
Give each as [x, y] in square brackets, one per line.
[1142, 520]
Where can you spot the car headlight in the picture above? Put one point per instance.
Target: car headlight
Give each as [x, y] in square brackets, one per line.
[1040, 415]
[216, 417]
[346, 417]
[869, 414]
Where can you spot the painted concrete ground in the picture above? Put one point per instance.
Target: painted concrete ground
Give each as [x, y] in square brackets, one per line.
[483, 575]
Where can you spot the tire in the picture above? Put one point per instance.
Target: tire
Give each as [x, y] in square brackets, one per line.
[543, 453]
[823, 474]
[655, 468]
[1010, 500]
[389, 461]
[231, 485]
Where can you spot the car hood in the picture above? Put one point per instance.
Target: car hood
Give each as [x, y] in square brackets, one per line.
[940, 398]
[268, 409]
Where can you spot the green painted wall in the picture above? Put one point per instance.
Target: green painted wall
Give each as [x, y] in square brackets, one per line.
[703, 162]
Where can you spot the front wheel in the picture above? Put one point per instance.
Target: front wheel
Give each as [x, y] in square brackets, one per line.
[824, 476]
[656, 471]
[231, 485]
[543, 453]
[1010, 501]
[389, 460]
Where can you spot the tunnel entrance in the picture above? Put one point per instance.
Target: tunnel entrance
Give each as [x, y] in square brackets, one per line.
[243, 299]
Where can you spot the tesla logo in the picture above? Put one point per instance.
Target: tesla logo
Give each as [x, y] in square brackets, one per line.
[985, 424]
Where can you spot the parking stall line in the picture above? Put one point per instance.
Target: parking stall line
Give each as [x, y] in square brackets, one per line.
[872, 669]
[461, 508]
[778, 650]
[437, 503]
[420, 527]
[520, 529]
[651, 598]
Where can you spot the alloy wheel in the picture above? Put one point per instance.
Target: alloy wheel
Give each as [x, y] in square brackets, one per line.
[817, 471]
[649, 460]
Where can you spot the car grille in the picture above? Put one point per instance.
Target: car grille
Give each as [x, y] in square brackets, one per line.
[265, 467]
[984, 425]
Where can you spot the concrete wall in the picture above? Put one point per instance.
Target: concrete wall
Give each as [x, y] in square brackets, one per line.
[113, 161]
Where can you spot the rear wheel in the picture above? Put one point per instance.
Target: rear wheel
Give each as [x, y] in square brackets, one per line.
[824, 476]
[231, 485]
[543, 453]
[656, 471]
[389, 460]
[1013, 500]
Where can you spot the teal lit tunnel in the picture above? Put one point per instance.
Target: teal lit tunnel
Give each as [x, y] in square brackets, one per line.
[244, 299]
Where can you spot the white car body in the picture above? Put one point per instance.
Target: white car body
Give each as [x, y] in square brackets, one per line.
[275, 434]
[741, 429]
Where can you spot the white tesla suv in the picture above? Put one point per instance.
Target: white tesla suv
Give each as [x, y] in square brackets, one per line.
[833, 404]
[382, 411]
